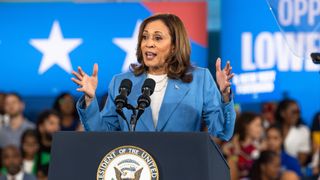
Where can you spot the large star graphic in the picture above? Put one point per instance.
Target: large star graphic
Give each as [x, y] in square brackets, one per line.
[55, 49]
[129, 45]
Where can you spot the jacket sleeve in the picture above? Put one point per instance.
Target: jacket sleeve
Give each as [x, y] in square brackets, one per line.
[94, 120]
[219, 116]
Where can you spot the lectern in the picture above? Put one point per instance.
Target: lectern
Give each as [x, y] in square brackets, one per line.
[178, 156]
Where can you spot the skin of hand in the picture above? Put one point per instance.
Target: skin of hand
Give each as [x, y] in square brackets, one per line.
[87, 84]
[223, 77]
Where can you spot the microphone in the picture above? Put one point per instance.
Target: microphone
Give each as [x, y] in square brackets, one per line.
[144, 100]
[121, 99]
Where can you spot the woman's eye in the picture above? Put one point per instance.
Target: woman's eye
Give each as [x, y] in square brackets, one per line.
[158, 38]
[144, 37]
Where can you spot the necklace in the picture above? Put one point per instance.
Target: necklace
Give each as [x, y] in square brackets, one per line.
[161, 84]
[161, 88]
[161, 80]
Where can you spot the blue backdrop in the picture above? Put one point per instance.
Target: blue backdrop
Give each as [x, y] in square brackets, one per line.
[270, 57]
[40, 43]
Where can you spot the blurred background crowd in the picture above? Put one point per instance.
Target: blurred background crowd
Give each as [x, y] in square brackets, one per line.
[271, 144]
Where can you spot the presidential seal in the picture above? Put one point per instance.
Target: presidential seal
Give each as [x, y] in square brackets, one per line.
[128, 163]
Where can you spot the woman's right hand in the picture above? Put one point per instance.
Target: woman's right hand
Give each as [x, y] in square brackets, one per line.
[88, 84]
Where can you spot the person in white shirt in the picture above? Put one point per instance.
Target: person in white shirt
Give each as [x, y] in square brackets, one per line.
[12, 162]
[29, 148]
[296, 135]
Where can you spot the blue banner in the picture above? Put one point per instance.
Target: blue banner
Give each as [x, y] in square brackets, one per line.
[41, 43]
[269, 44]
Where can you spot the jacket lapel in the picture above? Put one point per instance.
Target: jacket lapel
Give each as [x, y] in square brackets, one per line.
[175, 92]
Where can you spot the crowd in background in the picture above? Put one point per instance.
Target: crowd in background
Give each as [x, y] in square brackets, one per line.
[25, 145]
[274, 144]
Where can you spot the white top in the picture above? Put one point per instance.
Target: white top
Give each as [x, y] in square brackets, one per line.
[28, 166]
[297, 140]
[158, 94]
[18, 176]
[4, 120]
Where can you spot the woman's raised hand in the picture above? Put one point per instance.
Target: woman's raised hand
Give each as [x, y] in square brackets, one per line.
[223, 79]
[87, 84]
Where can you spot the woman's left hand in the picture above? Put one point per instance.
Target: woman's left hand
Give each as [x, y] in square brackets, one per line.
[223, 77]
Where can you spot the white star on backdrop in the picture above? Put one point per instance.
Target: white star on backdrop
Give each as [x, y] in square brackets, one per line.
[129, 45]
[55, 49]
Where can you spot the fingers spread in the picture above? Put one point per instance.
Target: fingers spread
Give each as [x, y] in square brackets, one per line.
[226, 68]
[80, 89]
[218, 65]
[229, 70]
[77, 75]
[81, 71]
[230, 76]
[78, 82]
[95, 70]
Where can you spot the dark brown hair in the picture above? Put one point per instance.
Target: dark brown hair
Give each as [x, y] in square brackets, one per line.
[177, 64]
[242, 123]
[282, 106]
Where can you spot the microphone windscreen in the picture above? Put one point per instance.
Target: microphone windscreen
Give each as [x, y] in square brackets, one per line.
[127, 84]
[149, 83]
[315, 57]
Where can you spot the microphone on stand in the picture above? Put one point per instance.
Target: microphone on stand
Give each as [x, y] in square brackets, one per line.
[144, 100]
[121, 100]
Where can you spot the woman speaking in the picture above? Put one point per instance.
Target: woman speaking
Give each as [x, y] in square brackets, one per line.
[183, 96]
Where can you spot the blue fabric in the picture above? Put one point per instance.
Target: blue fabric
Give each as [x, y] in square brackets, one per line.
[183, 108]
[290, 163]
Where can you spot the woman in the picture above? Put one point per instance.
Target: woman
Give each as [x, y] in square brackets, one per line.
[183, 96]
[246, 145]
[275, 144]
[296, 135]
[267, 167]
[65, 106]
[29, 150]
[48, 123]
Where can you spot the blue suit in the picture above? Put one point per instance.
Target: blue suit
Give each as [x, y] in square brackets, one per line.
[183, 108]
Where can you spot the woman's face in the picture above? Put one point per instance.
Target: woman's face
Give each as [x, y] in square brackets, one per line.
[254, 129]
[67, 105]
[50, 125]
[30, 145]
[274, 140]
[291, 115]
[156, 46]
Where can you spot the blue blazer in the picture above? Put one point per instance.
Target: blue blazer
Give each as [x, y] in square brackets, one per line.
[184, 107]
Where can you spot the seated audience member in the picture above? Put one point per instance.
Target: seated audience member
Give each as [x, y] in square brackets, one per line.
[245, 144]
[65, 106]
[29, 149]
[47, 124]
[12, 162]
[296, 135]
[268, 167]
[11, 133]
[275, 144]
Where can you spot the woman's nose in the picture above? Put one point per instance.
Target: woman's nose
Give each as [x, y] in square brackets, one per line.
[150, 43]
